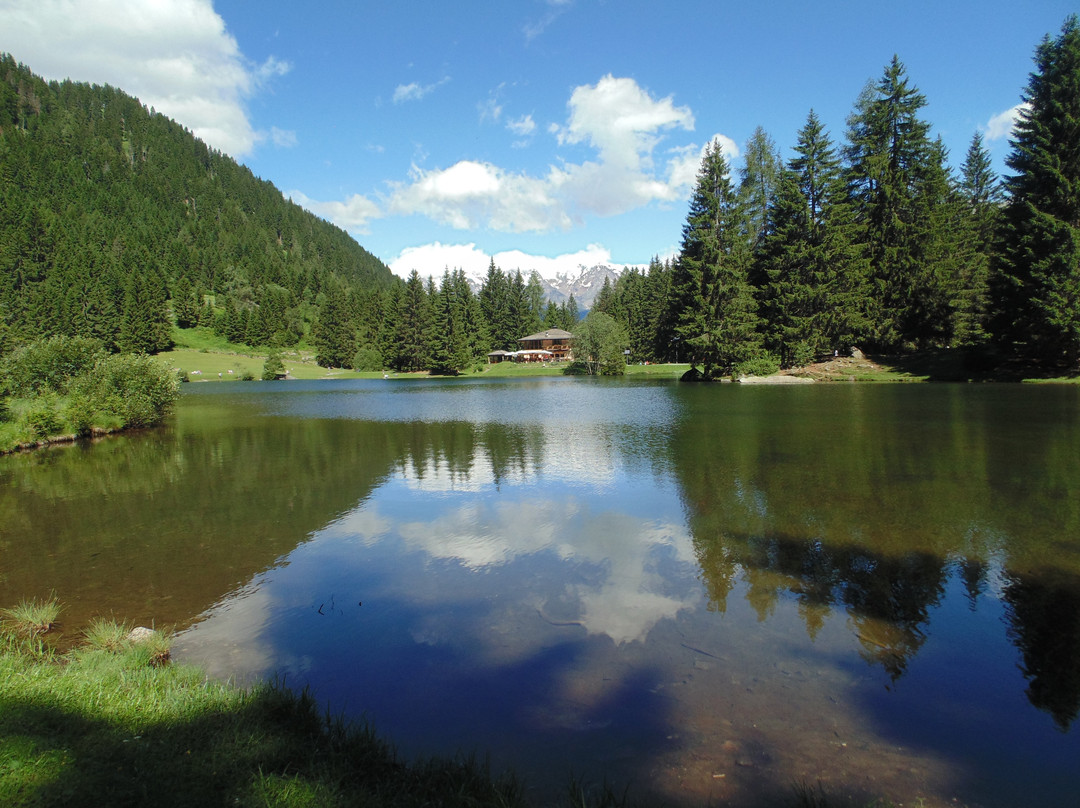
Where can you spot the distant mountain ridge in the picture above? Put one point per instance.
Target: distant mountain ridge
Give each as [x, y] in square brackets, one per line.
[584, 286]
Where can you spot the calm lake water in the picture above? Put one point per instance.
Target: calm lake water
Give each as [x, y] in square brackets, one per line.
[705, 593]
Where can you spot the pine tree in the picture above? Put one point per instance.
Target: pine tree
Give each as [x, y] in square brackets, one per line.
[895, 174]
[759, 181]
[1036, 282]
[981, 199]
[812, 301]
[333, 333]
[413, 326]
[713, 303]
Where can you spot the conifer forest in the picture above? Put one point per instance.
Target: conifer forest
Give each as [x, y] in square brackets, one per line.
[117, 224]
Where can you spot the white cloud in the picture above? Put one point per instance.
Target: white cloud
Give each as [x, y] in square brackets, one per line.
[470, 194]
[353, 214]
[174, 55]
[416, 92]
[523, 126]
[432, 259]
[616, 117]
[1001, 125]
[621, 120]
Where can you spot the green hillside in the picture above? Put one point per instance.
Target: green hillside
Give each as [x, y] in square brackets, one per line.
[115, 219]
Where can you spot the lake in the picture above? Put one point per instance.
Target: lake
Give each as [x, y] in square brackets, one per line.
[702, 593]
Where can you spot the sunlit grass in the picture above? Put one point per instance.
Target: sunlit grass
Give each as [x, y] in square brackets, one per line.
[104, 725]
[30, 618]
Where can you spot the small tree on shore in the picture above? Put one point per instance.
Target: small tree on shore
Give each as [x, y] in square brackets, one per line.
[599, 342]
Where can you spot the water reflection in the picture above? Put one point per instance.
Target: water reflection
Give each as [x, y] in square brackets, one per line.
[711, 590]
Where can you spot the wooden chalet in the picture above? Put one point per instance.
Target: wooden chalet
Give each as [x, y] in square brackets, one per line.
[554, 341]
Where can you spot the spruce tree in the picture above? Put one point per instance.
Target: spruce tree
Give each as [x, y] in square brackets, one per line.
[980, 200]
[814, 296]
[413, 326]
[895, 182]
[714, 307]
[1036, 280]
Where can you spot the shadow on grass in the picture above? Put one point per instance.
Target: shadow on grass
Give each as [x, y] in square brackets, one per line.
[273, 749]
[981, 364]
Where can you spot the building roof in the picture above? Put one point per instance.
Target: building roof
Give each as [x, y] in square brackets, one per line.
[551, 333]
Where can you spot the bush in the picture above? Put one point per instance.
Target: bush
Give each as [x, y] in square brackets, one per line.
[42, 419]
[576, 368]
[48, 364]
[137, 390]
[272, 367]
[368, 359]
[758, 366]
[80, 414]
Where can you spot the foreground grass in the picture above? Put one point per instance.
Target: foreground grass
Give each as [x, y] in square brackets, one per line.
[112, 723]
[101, 727]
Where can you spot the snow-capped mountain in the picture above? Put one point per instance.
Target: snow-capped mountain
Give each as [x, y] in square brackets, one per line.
[585, 285]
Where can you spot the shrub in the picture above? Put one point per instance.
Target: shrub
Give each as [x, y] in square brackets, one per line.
[576, 368]
[80, 413]
[765, 365]
[49, 364]
[368, 359]
[42, 419]
[137, 390]
[272, 367]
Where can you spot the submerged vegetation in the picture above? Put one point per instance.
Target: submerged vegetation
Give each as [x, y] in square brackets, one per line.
[110, 722]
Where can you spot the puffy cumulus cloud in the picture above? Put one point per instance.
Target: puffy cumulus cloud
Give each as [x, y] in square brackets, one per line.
[621, 120]
[174, 55]
[616, 117]
[1001, 125]
[432, 259]
[471, 194]
[352, 214]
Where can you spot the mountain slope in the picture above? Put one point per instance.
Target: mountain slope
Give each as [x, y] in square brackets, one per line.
[108, 209]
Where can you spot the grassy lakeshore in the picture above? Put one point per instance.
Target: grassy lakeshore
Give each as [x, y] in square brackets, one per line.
[113, 722]
[104, 725]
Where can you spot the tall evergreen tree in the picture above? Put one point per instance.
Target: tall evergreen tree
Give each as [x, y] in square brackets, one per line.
[759, 181]
[714, 306]
[895, 174]
[981, 200]
[813, 298]
[1036, 281]
[413, 326]
[333, 332]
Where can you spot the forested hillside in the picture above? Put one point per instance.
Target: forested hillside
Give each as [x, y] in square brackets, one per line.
[115, 220]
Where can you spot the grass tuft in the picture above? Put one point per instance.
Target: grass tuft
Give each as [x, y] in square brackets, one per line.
[106, 635]
[31, 618]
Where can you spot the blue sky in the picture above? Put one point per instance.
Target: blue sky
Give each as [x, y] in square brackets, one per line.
[545, 133]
